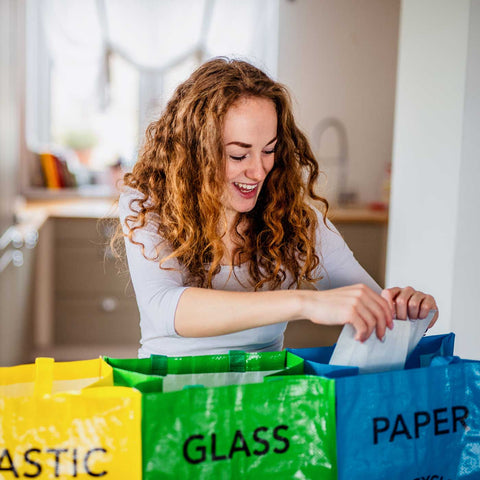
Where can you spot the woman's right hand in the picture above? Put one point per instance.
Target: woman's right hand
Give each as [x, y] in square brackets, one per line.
[356, 304]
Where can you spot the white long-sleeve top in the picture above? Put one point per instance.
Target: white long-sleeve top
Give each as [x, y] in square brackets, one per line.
[158, 291]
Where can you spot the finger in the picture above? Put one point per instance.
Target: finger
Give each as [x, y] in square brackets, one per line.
[380, 311]
[380, 308]
[374, 308]
[374, 319]
[389, 296]
[401, 302]
[356, 320]
[378, 299]
[428, 304]
[363, 326]
[414, 305]
[359, 317]
[394, 291]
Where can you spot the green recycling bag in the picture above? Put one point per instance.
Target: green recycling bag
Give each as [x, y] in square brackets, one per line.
[160, 373]
[283, 428]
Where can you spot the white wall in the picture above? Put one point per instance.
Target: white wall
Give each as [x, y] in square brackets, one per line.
[338, 58]
[465, 315]
[434, 229]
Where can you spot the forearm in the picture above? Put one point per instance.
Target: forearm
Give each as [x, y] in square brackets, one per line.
[204, 312]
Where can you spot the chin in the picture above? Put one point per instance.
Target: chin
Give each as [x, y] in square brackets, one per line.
[245, 208]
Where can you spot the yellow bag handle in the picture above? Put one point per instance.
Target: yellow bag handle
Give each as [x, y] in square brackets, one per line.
[43, 376]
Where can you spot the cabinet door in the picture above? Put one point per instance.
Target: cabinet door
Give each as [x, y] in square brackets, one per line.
[94, 300]
[98, 319]
[15, 319]
[368, 241]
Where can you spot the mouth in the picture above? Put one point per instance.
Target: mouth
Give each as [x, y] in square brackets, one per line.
[247, 190]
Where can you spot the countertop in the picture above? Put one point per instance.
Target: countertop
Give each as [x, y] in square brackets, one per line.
[38, 211]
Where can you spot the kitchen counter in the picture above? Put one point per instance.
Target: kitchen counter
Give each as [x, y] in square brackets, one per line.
[68, 208]
[39, 210]
[357, 214]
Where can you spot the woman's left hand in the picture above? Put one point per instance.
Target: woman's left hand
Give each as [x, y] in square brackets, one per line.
[410, 303]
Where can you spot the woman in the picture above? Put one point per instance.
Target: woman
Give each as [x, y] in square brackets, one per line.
[219, 231]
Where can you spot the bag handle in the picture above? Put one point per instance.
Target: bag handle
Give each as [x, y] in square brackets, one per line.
[159, 364]
[43, 376]
[440, 361]
[237, 361]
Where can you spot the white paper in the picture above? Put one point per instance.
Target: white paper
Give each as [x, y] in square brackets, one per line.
[375, 355]
[418, 329]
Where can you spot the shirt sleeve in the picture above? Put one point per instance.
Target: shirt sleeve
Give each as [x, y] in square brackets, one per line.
[339, 267]
[157, 290]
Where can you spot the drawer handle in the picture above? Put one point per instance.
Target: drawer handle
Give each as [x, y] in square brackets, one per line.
[109, 304]
[13, 256]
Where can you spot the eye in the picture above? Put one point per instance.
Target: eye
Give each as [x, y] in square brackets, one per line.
[238, 158]
[270, 150]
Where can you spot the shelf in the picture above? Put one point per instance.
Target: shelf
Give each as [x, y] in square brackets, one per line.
[357, 215]
[86, 191]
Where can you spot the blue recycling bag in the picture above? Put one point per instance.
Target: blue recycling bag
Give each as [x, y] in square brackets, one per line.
[422, 423]
[415, 424]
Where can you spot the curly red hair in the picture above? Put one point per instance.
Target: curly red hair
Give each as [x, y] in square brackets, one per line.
[181, 174]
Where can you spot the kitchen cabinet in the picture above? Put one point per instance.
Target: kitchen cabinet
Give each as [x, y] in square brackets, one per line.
[90, 308]
[17, 262]
[368, 241]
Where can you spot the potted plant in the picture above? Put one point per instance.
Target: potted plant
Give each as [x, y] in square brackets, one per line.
[82, 142]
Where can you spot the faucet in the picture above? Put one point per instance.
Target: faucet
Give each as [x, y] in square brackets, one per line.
[343, 195]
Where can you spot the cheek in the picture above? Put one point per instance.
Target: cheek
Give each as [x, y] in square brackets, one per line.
[231, 171]
[268, 165]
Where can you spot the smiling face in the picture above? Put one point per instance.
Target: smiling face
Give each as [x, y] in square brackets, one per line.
[250, 136]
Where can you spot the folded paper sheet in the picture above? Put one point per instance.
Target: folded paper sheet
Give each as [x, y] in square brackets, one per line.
[375, 355]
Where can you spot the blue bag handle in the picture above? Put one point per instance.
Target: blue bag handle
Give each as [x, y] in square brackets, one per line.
[428, 348]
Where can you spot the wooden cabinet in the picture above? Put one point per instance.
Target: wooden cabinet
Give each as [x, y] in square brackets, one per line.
[368, 241]
[93, 306]
[17, 261]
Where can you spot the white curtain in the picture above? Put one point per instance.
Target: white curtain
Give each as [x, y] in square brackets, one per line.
[153, 35]
[75, 44]
[246, 28]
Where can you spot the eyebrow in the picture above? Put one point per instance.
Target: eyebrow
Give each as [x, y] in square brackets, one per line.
[247, 145]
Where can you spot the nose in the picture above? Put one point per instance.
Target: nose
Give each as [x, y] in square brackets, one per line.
[256, 169]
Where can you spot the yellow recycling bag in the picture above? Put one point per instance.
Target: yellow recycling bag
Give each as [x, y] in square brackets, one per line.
[53, 424]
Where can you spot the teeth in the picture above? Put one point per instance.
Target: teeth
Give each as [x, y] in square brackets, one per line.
[245, 186]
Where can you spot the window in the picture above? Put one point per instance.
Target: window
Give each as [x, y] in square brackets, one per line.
[98, 71]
